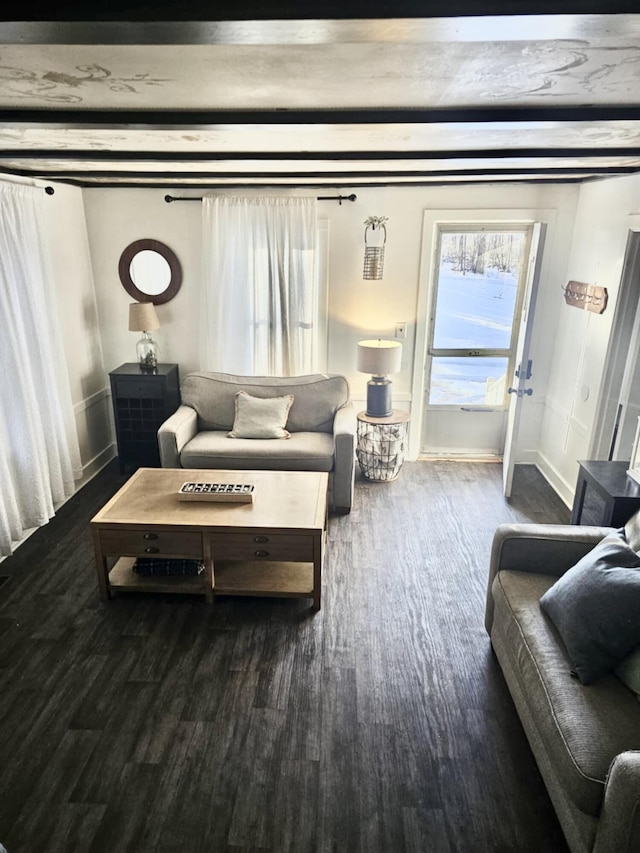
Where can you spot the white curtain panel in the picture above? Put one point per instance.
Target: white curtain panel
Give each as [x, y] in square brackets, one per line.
[260, 295]
[39, 450]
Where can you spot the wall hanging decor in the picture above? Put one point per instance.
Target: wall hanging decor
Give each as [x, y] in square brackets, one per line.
[150, 271]
[375, 237]
[591, 297]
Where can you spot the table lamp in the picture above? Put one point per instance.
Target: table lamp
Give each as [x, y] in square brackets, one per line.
[379, 358]
[143, 318]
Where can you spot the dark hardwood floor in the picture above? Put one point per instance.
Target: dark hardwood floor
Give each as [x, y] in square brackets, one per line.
[380, 724]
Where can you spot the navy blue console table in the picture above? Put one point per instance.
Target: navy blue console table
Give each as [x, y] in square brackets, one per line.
[142, 401]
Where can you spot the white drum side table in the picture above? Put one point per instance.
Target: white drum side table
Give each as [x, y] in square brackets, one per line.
[381, 445]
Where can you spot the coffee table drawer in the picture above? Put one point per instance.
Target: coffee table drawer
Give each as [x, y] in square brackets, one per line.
[133, 543]
[268, 546]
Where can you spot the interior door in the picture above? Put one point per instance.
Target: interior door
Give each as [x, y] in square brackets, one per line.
[521, 387]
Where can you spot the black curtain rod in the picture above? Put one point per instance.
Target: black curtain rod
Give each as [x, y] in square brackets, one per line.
[338, 198]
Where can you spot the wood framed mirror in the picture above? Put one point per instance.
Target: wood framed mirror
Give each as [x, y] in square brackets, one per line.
[150, 271]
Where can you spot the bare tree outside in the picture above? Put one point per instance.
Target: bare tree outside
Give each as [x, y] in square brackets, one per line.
[477, 251]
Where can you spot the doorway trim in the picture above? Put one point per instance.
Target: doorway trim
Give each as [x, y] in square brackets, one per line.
[623, 339]
[430, 221]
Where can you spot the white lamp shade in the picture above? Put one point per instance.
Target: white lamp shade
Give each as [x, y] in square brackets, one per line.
[143, 317]
[379, 357]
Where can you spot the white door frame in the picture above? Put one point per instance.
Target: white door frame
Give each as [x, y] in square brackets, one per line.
[621, 360]
[426, 291]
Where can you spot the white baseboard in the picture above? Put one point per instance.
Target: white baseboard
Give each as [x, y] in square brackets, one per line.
[95, 465]
[560, 486]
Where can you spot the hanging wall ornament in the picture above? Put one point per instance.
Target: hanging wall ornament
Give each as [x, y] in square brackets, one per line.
[591, 297]
[375, 237]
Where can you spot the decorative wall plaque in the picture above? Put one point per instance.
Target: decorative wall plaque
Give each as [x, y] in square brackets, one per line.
[591, 297]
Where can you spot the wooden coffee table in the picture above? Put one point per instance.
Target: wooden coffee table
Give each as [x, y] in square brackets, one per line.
[271, 547]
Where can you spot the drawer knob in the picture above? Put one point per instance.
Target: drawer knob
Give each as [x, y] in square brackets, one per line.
[150, 535]
[259, 553]
[151, 550]
[260, 538]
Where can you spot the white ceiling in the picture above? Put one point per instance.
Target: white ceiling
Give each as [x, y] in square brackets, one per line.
[340, 103]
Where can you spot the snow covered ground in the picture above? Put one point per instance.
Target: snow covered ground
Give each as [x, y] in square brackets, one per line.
[474, 312]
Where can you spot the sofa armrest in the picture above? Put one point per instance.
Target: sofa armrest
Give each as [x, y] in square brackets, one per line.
[174, 433]
[542, 548]
[619, 824]
[344, 466]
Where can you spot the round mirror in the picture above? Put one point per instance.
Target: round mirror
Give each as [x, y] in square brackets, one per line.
[150, 271]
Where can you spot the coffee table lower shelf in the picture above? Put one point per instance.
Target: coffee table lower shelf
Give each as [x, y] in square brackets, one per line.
[231, 577]
[122, 578]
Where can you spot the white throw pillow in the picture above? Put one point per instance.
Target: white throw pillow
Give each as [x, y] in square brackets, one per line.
[261, 417]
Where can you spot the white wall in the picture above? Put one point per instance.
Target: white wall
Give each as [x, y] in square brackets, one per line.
[597, 253]
[117, 217]
[357, 308]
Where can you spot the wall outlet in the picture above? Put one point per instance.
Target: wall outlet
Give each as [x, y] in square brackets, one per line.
[401, 330]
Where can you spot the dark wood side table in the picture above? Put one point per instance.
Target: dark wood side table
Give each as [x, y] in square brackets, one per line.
[605, 494]
[142, 401]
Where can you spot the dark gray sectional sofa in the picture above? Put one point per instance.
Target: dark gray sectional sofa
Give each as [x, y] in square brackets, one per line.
[585, 738]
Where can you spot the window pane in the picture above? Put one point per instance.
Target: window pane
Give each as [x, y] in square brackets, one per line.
[468, 381]
[477, 289]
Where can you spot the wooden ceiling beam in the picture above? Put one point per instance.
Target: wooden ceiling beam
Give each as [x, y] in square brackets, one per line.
[260, 10]
[201, 119]
[88, 154]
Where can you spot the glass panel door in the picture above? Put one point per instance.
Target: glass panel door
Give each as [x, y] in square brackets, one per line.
[477, 298]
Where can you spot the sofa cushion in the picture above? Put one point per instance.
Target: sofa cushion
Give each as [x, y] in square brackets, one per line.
[628, 671]
[316, 398]
[582, 728]
[595, 607]
[303, 451]
[632, 531]
[261, 417]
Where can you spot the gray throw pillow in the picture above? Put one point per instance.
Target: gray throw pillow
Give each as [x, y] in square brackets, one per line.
[261, 417]
[596, 607]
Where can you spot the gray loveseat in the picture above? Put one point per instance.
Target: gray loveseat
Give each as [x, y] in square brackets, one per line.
[585, 738]
[321, 423]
